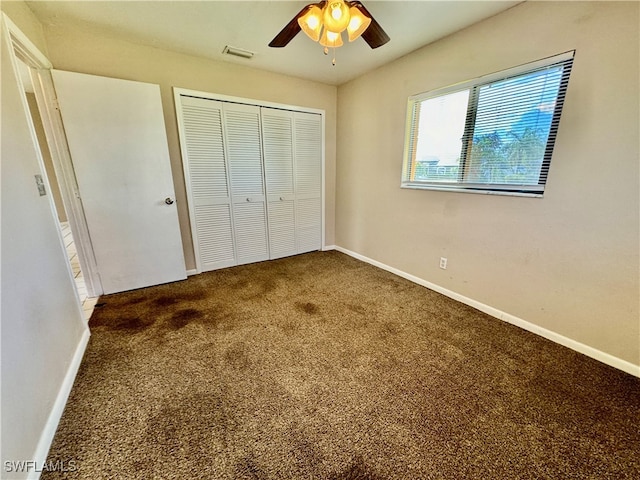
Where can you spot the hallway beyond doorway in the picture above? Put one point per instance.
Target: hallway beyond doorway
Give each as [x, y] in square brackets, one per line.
[87, 302]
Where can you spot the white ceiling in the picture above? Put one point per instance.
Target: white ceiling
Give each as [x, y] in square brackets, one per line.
[203, 28]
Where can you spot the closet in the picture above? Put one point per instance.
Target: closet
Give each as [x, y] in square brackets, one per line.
[254, 180]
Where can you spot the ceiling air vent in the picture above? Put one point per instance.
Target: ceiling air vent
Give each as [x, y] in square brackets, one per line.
[238, 52]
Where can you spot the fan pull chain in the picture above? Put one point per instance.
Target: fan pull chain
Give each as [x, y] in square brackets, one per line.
[326, 52]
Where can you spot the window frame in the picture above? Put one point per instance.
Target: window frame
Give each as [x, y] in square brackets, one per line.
[473, 86]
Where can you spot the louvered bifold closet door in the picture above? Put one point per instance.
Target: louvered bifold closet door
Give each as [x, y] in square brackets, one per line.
[244, 151]
[277, 141]
[208, 186]
[308, 180]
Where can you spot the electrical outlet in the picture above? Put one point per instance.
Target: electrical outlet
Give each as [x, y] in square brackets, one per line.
[443, 263]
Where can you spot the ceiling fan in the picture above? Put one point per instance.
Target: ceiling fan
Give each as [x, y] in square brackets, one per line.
[325, 21]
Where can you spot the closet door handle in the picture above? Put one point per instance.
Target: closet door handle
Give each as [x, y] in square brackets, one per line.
[281, 199]
[248, 199]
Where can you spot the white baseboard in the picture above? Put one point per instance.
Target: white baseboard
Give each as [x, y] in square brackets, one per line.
[328, 247]
[191, 272]
[603, 357]
[46, 438]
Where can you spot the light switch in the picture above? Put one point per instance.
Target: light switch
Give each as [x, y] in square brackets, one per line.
[40, 183]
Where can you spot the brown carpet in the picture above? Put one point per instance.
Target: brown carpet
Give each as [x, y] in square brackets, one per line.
[323, 367]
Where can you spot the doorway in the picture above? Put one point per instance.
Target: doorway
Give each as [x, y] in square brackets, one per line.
[58, 177]
[88, 302]
[125, 224]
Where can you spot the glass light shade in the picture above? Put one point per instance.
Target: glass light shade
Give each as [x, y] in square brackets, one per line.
[311, 23]
[331, 39]
[358, 23]
[336, 16]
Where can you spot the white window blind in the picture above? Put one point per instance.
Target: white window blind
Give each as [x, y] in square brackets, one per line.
[494, 134]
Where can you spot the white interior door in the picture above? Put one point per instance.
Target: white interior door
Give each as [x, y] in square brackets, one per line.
[277, 140]
[206, 172]
[308, 157]
[244, 152]
[117, 139]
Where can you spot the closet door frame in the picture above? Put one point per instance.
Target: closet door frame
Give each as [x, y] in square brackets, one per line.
[178, 92]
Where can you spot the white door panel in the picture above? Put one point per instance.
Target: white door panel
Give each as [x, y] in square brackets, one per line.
[116, 135]
[277, 141]
[308, 155]
[206, 172]
[250, 230]
[282, 228]
[242, 127]
[244, 151]
[215, 233]
[308, 227]
[277, 138]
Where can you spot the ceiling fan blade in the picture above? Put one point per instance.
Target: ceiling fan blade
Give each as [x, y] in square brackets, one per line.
[374, 35]
[291, 29]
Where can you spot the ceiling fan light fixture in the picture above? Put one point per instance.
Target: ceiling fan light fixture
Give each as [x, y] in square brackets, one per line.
[319, 19]
[336, 16]
[358, 23]
[331, 39]
[311, 22]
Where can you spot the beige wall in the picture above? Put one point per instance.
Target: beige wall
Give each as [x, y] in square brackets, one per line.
[43, 330]
[567, 262]
[89, 51]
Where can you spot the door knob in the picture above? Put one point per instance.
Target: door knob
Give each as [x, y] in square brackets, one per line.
[281, 199]
[168, 201]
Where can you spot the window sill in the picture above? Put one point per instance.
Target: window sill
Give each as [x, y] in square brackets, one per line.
[507, 193]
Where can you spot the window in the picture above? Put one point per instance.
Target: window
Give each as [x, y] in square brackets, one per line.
[494, 134]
